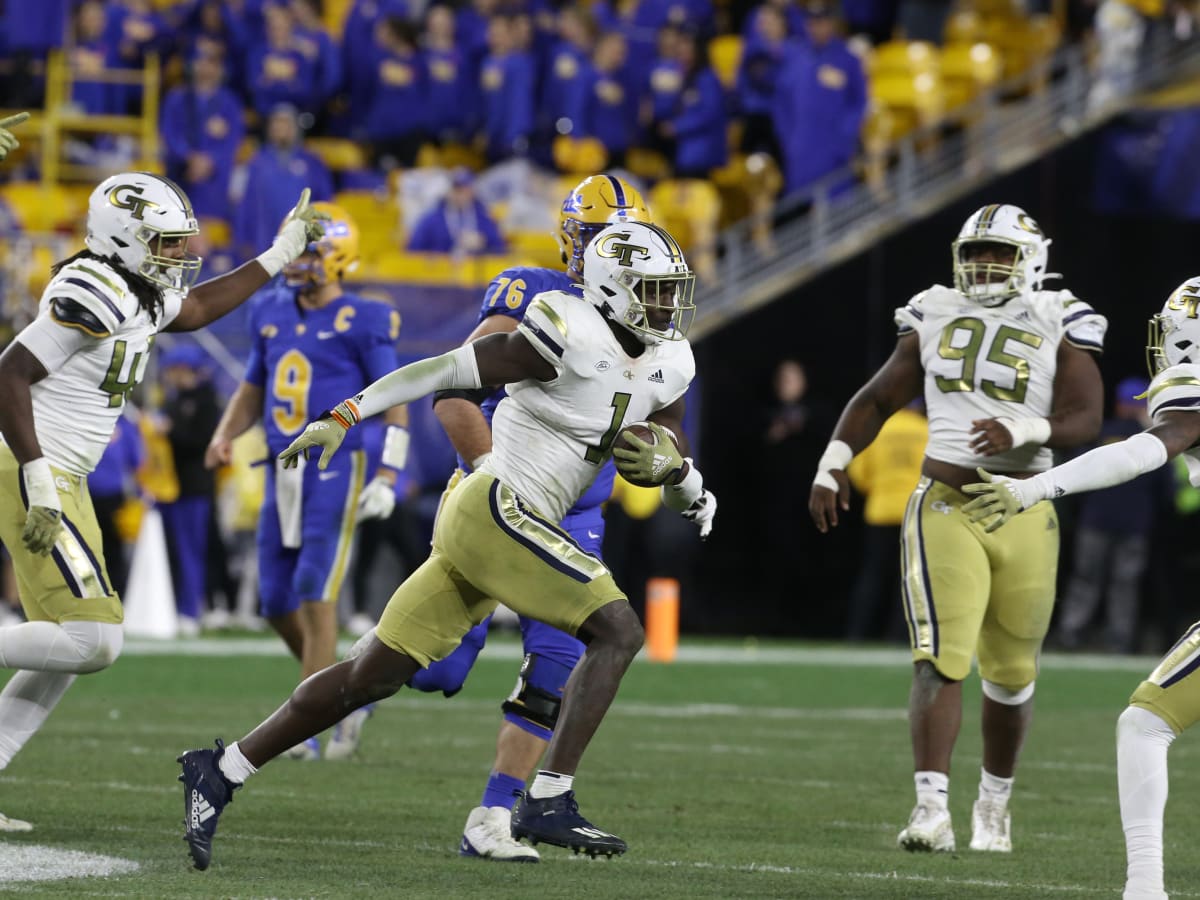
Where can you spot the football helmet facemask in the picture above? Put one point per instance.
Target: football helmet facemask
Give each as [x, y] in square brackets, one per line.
[330, 258]
[635, 274]
[993, 283]
[1175, 332]
[594, 203]
[137, 217]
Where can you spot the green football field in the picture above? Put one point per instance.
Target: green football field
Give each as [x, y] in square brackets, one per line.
[769, 771]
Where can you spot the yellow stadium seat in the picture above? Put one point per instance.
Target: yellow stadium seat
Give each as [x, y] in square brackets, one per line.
[915, 100]
[725, 54]
[691, 210]
[963, 27]
[537, 245]
[41, 207]
[579, 156]
[1023, 43]
[649, 165]
[449, 156]
[967, 70]
[339, 154]
[217, 232]
[378, 218]
[904, 58]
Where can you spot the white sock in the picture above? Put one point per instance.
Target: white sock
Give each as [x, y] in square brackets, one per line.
[994, 788]
[550, 784]
[933, 788]
[77, 647]
[1142, 743]
[234, 765]
[25, 703]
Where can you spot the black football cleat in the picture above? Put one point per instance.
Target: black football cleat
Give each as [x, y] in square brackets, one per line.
[556, 820]
[206, 792]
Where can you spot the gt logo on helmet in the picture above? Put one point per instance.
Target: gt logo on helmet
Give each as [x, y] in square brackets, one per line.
[615, 246]
[131, 199]
[1185, 302]
[1026, 222]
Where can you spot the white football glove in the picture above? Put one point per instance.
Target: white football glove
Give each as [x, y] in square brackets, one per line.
[377, 499]
[702, 512]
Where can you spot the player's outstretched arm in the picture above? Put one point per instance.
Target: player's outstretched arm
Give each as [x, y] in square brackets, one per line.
[998, 499]
[895, 385]
[209, 301]
[19, 369]
[496, 359]
[8, 141]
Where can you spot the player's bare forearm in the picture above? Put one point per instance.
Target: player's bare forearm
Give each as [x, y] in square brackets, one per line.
[1078, 409]
[19, 369]
[244, 409]
[396, 415]
[894, 386]
[1177, 429]
[207, 302]
[466, 427]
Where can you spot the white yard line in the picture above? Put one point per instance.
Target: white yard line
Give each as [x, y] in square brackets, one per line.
[21, 863]
[749, 654]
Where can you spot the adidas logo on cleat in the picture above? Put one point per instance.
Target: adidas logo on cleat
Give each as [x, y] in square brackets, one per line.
[657, 377]
[202, 810]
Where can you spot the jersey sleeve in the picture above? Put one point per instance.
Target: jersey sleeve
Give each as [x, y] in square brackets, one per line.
[377, 342]
[545, 327]
[909, 317]
[256, 364]
[508, 294]
[1175, 388]
[96, 289]
[50, 343]
[1083, 327]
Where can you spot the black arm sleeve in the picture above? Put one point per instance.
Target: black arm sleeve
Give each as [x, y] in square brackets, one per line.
[474, 395]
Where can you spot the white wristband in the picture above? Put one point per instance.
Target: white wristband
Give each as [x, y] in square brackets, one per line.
[39, 484]
[480, 460]
[395, 447]
[836, 456]
[288, 245]
[1026, 431]
[678, 497]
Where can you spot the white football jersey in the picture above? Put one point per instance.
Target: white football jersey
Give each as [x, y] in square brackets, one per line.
[984, 362]
[550, 438]
[76, 406]
[1178, 387]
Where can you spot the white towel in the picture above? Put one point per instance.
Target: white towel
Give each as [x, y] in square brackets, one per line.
[289, 500]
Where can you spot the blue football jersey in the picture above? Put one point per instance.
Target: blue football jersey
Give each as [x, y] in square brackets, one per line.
[309, 360]
[510, 294]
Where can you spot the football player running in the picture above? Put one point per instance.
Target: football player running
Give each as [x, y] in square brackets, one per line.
[314, 343]
[550, 654]
[1167, 703]
[1007, 372]
[64, 381]
[576, 373]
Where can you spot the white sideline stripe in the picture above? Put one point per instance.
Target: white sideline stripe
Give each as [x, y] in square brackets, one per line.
[35, 862]
[883, 657]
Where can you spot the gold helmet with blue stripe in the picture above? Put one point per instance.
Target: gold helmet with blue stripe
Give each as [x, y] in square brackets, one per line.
[330, 258]
[595, 203]
[1000, 252]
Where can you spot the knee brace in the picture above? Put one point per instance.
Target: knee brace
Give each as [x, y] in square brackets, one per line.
[97, 643]
[538, 694]
[1005, 696]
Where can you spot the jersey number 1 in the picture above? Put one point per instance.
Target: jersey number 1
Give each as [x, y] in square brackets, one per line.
[595, 453]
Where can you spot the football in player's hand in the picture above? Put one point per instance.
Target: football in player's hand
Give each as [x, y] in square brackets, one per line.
[641, 431]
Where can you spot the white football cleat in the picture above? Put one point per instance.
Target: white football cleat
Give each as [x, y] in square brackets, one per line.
[928, 830]
[7, 824]
[305, 750]
[347, 733]
[990, 826]
[488, 835]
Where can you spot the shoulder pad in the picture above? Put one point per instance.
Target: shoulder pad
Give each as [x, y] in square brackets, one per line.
[1083, 327]
[909, 317]
[73, 314]
[1175, 388]
[547, 324]
[97, 288]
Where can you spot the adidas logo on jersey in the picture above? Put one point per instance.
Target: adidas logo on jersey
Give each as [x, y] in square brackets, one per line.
[657, 377]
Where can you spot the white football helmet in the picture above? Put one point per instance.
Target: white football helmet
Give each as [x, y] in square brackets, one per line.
[131, 215]
[635, 274]
[1175, 332]
[995, 283]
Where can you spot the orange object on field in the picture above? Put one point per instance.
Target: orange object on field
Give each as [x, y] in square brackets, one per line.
[662, 619]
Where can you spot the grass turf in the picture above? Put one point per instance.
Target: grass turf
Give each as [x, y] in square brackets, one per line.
[727, 780]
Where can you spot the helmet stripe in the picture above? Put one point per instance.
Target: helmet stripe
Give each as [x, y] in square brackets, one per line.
[183, 198]
[985, 220]
[674, 251]
[617, 190]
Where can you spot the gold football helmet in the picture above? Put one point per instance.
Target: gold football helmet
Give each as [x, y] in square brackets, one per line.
[335, 254]
[595, 203]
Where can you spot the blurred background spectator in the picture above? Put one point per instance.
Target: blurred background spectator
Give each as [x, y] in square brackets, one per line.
[112, 484]
[458, 224]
